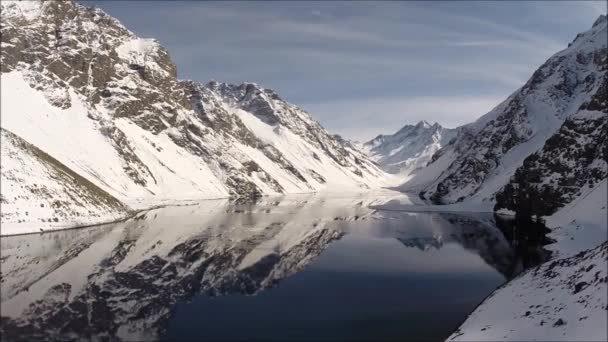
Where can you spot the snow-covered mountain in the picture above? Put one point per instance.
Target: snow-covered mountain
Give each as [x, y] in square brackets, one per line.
[107, 105]
[567, 90]
[572, 161]
[409, 148]
[563, 179]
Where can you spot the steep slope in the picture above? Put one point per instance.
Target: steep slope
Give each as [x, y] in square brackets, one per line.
[486, 153]
[107, 105]
[565, 298]
[580, 224]
[572, 161]
[561, 300]
[409, 148]
[564, 181]
[38, 191]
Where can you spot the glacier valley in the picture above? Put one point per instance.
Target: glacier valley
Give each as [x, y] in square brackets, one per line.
[224, 211]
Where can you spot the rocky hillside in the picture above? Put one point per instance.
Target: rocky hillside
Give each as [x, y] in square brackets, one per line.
[107, 105]
[409, 148]
[573, 161]
[565, 96]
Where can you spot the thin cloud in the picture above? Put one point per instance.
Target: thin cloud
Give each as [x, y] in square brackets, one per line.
[348, 61]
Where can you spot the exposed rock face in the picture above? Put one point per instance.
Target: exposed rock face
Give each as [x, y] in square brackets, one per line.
[573, 160]
[410, 148]
[486, 153]
[107, 104]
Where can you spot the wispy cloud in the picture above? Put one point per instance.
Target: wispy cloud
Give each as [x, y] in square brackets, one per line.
[347, 61]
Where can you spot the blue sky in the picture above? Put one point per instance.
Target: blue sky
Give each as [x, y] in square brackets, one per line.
[364, 68]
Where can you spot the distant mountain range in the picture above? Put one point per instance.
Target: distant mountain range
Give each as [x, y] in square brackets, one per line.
[410, 148]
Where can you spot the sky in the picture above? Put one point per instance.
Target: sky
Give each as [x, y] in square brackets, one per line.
[365, 68]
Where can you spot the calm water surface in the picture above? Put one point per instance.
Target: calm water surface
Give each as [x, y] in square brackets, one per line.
[291, 268]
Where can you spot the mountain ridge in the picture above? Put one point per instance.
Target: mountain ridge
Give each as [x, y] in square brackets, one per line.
[486, 153]
[410, 148]
[109, 106]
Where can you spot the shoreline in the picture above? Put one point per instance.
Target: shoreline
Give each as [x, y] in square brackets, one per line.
[185, 202]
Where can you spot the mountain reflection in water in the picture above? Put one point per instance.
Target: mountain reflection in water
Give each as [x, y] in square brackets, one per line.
[125, 280]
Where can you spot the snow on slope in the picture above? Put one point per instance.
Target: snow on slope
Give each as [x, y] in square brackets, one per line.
[409, 148]
[580, 224]
[39, 192]
[487, 152]
[564, 298]
[560, 300]
[70, 136]
[571, 160]
[565, 180]
[107, 105]
[540, 152]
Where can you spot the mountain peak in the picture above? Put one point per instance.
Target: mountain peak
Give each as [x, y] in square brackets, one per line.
[423, 123]
[249, 84]
[410, 148]
[32, 9]
[601, 19]
[212, 84]
[27, 9]
[460, 175]
[591, 39]
[427, 125]
[222, 140]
